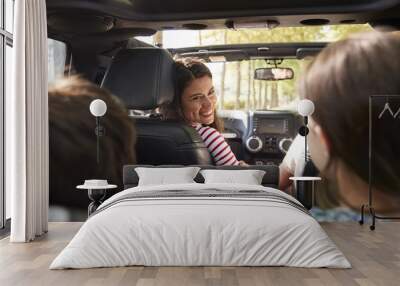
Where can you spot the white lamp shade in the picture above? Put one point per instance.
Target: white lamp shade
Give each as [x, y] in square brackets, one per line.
[98, 107]
[305, 107]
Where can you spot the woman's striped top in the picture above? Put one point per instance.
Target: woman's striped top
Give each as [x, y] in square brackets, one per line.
[217, 146]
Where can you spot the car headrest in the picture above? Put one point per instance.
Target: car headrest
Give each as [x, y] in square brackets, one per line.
[142, 77]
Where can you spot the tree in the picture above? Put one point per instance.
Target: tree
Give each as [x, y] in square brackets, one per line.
[248, 104]
[222, 96]
[259, 104]
[200, 39]
[266, 92]
[274, 94]
[253, 87]
[238, 81]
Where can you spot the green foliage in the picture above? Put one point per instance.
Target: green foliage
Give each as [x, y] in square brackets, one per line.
[230, 105]
[282, 35]
[287, 88]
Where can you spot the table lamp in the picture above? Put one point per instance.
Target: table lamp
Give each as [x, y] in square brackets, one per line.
[98, 108]
[305, 108]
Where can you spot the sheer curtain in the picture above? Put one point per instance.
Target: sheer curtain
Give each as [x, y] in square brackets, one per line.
[27, 124]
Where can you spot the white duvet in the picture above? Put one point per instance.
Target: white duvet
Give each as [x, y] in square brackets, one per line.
[200, 231]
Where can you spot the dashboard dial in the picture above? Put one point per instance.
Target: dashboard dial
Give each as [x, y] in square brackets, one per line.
[254, 144]
[284, 144]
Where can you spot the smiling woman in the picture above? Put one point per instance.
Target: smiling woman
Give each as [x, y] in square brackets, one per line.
[195, 104]
[198, 101]
[195, 97]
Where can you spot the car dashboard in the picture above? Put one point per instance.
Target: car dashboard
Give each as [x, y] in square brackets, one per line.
[260, 137]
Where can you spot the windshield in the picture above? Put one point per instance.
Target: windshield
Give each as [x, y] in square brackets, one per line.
[234, 81]
[238, 90]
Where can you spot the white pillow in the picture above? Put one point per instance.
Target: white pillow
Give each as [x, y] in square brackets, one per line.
[164, 176]
[248, 177]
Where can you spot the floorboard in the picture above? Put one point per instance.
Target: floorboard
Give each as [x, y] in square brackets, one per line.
[375, 257]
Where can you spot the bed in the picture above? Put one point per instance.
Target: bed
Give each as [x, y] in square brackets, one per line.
[201, 224]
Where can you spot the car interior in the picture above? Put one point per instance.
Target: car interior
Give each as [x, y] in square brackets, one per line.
[267, 172]
[260, 137]
[102, 46]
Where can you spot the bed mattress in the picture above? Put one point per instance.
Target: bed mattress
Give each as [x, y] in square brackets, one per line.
[201, 225]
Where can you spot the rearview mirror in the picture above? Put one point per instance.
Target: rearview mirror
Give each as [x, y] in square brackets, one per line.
[273, 73]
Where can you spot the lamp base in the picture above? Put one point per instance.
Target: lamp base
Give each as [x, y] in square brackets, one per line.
[96, 196]
[305, 193]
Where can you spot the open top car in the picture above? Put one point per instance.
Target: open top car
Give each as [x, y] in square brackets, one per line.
[192, 136]
[95, 30]
[256, 52]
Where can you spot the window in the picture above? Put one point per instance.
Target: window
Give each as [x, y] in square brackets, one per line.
[57, 54]
[239, 91]
[6, 64]
[8, 70]
[2, 194]
[9, 15]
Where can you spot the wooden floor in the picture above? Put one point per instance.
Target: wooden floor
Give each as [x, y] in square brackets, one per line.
[375, 257]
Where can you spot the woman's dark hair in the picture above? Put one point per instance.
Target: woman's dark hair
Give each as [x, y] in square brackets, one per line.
[186, 70]
[72, 140]
[340, 81]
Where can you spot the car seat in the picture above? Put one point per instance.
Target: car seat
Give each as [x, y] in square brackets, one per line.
[143, 79]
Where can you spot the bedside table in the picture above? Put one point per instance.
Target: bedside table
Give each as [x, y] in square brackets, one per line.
[305, 189]
[96, 194]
